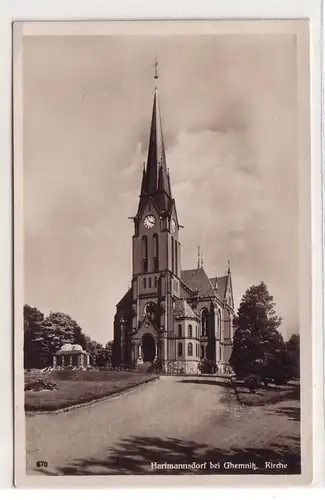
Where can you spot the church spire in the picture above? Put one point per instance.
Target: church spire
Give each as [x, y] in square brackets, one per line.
[155, 177]
[156, 153]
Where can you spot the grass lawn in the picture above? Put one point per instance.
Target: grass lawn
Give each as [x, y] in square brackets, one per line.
[79, 387]
[266, 395]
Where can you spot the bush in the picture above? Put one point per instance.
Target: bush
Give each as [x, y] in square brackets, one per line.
[40, 385]
[252, 382]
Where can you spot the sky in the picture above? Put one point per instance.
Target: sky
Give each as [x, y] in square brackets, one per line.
[229, 111]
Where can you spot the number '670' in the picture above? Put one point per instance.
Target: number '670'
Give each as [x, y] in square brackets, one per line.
[41, 463]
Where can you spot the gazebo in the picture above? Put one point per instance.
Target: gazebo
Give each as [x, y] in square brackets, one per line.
[71, 355]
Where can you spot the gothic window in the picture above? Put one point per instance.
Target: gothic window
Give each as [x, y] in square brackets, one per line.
[149, 282]
[156, 281]
[176, 259]
[144, 282]
[179, 349]
[189, 331]
[179, 330]
[173, 260]
[144, 253]
[190, 349]
[155, 252]
[204, 322]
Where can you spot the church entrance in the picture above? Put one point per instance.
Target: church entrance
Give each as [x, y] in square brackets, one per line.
[148, 348]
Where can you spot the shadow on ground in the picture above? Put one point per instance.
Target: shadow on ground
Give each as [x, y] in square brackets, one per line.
[140, 455]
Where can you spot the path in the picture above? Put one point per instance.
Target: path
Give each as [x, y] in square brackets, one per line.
[168, 420]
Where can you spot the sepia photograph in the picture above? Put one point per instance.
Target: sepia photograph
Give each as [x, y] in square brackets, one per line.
[162, 251]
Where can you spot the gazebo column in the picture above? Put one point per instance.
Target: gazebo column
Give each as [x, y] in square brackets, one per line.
[70, 360]
[54, 361]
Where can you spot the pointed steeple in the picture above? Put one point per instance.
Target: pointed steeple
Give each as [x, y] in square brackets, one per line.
[155, 177]
[156, 152]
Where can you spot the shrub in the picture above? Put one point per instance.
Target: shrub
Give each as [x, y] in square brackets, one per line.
[40, 385]
[252, 382]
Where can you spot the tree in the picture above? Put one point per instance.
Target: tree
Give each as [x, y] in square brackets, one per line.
[293, 355]
[92, 347]
[258, 346]
[58, 329]
[32, 326]
[45, 336]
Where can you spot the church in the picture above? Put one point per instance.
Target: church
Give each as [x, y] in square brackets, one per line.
[178, 320]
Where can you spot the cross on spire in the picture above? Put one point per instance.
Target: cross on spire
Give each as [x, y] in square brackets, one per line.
[156, 69]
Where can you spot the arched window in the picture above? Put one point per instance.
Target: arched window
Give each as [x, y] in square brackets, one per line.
[204, 322]
[179, 330]
[149, 282]
[144, 253]
[144, 282]
[189, 331]
[190, 349]
[179, 349]
[172, 249]
[176, 258]
[155, 250]
[219, 324]
[196, 331]
[156, 281]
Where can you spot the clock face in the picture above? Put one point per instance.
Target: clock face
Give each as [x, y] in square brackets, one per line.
[173, 224]
[149, 221]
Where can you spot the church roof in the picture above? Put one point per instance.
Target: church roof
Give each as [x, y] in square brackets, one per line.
[184, 310]
[126, 300]
[197, 280]
[222, 285]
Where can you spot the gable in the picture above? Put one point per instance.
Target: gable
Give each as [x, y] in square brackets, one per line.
[146, 326]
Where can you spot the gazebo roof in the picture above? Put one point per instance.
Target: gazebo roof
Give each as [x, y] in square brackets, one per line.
[71, 349]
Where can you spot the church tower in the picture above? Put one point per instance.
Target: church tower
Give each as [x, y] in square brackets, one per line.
[179, 319]
[156, 248]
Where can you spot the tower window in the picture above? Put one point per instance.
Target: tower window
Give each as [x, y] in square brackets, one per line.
[149, 282]
[176, 259]
[179, 349]
[144, 282]
[144, 253]
[173, 260]
[190, 349]
[155, 252]
[179, 330]
[204, 322]
[156, 281]
[190, 331]
[202, 351]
